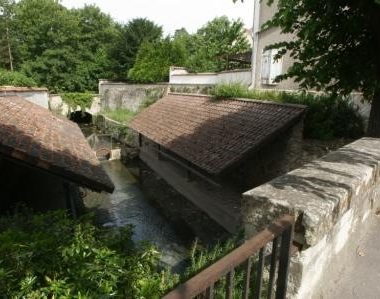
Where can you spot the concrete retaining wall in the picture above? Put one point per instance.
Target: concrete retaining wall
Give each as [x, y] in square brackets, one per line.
[58, 106]
[114, 95]
[39, 96]
[179, 76]
[332, 199]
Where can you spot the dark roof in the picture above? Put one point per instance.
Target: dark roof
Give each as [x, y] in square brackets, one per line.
[33, 135]
[213, 134]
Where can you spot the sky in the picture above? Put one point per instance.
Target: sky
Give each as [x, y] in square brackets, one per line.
[172, 14]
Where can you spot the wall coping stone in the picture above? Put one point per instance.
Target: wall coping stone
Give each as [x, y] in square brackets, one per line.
[319, 193]
[21, 89]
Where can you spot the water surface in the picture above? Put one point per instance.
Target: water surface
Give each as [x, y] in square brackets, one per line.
[127, 205]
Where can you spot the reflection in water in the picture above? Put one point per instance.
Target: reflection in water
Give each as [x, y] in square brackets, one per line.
[127, 205]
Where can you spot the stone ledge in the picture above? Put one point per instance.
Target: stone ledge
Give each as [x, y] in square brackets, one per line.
[319, 193]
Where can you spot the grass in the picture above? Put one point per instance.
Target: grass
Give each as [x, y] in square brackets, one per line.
[328, 116]
[121, 115]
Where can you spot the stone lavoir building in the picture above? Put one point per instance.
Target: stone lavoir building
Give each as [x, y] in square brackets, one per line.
[210, 151]
[44, 158]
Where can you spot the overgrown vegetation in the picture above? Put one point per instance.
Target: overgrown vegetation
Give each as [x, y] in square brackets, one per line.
[201, 258]
[15, 79]
[328, 116]
[68, 50]
[53, 256]
[121, 115]
[75, 99]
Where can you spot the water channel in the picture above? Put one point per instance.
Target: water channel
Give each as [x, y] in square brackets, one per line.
[128, 205]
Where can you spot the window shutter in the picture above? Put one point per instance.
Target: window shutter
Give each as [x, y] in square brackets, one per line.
[265, 67]
[270, 68]
[275, 67]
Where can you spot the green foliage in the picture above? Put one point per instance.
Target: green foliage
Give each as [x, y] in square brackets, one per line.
[207, 50]
[201, 258]
[130, 37]
[154, 60]
[64, 50]
[15, 79]
[336, 47]
[75, 99]
[120, 115]
[328, 116]
[6, 29]
[53, 256]
[214, 43]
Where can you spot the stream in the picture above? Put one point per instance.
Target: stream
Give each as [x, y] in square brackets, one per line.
[128, 205]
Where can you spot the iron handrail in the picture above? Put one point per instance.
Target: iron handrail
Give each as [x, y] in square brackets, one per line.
[204, 281]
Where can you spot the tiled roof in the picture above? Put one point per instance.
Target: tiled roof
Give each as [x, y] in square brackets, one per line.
[213, 134]
[33, 135]
[21, 89]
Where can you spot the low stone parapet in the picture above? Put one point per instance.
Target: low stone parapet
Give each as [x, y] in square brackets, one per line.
[332, 199]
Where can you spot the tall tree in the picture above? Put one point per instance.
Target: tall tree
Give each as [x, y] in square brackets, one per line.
[65, 50]
[154, 60]
[6, 37]
[337, 47]
[131, 37]
[215, 43]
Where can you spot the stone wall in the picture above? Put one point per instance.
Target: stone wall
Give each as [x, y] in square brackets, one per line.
[180, 76]
[58, 106]
[332, 199]
[274, 159]
[39, 96]
[119, 131]
[114, 95]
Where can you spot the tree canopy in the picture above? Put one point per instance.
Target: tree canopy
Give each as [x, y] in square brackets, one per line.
[154, 60]
[214, 43]
[336, 47]
[69, 50]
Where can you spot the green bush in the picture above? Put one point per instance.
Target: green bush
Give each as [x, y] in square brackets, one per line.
[53, 256]
[15, 79]
[328, 116]
[75, 99]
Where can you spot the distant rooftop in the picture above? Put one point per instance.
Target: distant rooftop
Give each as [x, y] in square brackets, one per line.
[214, 134]
[21, 89]
[34, 136]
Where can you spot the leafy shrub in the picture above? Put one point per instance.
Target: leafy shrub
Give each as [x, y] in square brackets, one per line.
[15, 79]
[53, 256]
[328, 116]
[75, 99]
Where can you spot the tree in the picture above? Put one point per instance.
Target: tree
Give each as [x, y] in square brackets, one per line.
[65, 50]
[130, 38]
[215, 43]
[6, 40]
[154, 60]
[336, 48]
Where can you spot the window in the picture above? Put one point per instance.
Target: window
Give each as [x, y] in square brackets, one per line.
[270, 68]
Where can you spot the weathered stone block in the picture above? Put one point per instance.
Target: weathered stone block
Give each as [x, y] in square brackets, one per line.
[331, 198]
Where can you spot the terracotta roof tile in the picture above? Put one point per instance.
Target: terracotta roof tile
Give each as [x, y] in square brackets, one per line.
[213, 135]
[34, 135]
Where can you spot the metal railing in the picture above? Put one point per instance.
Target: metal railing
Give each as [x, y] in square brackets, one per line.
[252, 258]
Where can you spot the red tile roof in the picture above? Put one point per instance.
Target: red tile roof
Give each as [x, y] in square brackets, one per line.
[214, 134]
[33, 135]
